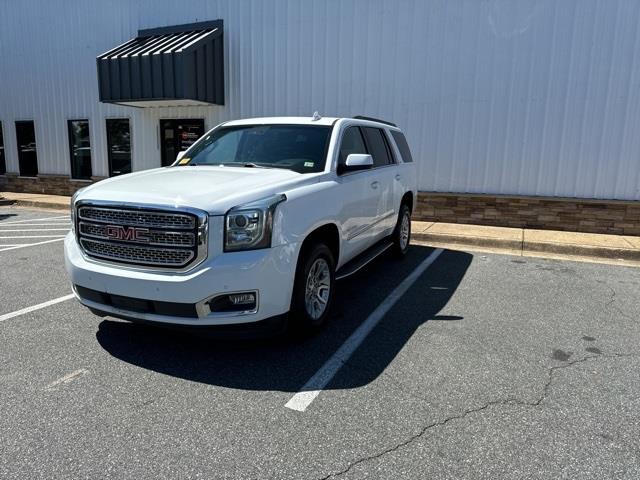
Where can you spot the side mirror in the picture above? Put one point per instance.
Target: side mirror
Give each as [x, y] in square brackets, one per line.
[356, 161]
[180, 155]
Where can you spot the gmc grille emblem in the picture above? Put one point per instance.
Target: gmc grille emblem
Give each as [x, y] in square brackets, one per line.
[132, 234]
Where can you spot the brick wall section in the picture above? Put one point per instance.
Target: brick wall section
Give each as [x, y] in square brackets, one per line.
[569, 214]
[47, 184]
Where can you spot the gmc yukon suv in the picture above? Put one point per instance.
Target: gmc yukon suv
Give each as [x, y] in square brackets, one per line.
[253, 224]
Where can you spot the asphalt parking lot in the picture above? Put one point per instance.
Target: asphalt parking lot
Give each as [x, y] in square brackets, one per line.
[488, 366]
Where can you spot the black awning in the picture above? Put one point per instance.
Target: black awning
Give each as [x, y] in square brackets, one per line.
[179, 65]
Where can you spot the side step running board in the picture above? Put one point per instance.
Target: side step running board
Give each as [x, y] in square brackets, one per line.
[363, 259]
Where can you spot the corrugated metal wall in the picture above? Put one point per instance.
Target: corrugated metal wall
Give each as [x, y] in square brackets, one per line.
[533, 97]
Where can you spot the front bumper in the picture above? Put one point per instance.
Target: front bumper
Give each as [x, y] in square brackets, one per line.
[269, 272]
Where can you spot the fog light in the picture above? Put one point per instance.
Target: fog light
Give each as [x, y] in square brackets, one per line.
[242, 298]
[234, 302]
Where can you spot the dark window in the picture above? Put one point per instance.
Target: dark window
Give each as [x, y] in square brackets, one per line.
[27, 156]
[377, 146]
[352, 142]
[80, 148]
[300, 148]
[3, 165]
[118, 146]
[403, 146]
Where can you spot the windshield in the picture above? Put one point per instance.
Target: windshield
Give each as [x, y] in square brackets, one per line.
[301, 148]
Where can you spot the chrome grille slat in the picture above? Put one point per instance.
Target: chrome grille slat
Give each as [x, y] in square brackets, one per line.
[136, 218]
[142, 236]
[136, 253]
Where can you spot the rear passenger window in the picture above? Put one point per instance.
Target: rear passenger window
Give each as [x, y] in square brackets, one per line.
[377, 146]
[403, 146]
[352, 142]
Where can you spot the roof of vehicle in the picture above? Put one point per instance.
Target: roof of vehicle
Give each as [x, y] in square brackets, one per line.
[327, 121]
[283, 120]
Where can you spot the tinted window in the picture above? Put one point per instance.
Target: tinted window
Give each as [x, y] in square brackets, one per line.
[119, 146]
[27, 154]
[3, 165]
[352, 142]
[403, 146]
[300, 148]
[377, 146]
[80, 149]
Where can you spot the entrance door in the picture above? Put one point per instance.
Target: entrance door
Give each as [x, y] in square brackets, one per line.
[178, 135]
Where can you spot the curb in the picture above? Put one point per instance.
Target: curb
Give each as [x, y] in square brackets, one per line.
[34, 204]
[605, 253]
[485, 242]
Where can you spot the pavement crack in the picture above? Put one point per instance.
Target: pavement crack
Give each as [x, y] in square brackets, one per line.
[546, 389]
[611, 304]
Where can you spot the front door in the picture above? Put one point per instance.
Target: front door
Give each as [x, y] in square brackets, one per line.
[178, 135]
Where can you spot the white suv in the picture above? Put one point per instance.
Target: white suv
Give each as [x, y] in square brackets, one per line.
[252, 225]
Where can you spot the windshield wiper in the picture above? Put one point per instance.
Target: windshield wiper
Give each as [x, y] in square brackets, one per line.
[244, 164]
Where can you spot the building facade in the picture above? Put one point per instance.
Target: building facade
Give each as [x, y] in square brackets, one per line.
[518, 112]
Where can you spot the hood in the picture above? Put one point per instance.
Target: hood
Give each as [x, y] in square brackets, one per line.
[214, 189]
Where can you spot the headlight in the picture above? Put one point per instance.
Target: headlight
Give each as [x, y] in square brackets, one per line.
[250, 226]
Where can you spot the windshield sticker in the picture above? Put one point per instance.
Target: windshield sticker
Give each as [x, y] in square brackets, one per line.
[309, 164]
[184, 161]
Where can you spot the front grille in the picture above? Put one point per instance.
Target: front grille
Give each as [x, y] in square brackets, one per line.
[142, 236]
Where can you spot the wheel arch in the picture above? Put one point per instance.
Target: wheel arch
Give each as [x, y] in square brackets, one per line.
[407, 199]
[328, 234]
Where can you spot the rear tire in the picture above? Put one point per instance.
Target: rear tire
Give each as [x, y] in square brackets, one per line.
[313, 288]
[402, 234]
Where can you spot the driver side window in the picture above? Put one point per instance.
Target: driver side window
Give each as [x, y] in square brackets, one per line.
[352, 142]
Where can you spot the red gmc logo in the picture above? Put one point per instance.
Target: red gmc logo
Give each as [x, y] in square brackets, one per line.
[132, 234]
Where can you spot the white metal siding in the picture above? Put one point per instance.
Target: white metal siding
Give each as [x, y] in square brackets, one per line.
[532, 97]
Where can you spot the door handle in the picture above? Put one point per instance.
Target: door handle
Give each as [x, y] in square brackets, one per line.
[397, 176]
[375, 184]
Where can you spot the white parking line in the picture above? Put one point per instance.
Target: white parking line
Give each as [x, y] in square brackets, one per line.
[2, 230]
[68, 378]
[33, 308]
[307, 394]
[29, 244]
[11, 222]
[32, 236]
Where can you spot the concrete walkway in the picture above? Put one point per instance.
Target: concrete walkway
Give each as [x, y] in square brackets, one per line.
[530, 242]
[617, 249]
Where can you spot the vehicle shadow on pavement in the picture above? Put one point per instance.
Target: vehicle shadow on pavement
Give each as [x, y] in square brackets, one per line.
[286, 363]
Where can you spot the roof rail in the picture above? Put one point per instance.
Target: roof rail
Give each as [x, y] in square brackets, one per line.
[362, 117]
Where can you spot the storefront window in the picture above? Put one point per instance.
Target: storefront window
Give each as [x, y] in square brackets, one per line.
[27, 152]
[119, 146]
[3, 165]
[80, 149]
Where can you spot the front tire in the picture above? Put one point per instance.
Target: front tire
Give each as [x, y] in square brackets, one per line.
[313, 288]
[402, 234]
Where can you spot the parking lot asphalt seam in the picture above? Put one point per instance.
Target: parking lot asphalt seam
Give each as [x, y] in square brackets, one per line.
[308, 393]
[501, 402]
[68, 378]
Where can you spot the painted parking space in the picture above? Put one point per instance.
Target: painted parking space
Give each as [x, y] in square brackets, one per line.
[477, 353]
[23, 229]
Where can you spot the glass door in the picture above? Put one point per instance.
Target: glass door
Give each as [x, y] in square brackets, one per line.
[178, 135]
